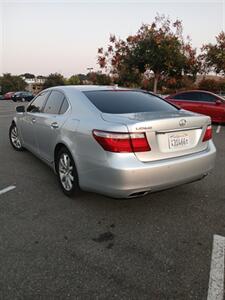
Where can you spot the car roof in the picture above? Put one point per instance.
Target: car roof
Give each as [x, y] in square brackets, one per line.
[84, 88]
[199, 91]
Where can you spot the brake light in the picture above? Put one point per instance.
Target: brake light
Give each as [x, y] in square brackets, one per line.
[208, 134]
[122, 142]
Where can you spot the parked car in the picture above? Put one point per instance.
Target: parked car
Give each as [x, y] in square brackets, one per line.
[202, 102]
[115, 141]
[8, 96]
[22, 96]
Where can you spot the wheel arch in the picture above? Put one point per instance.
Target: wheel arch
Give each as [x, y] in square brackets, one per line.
[59, 146]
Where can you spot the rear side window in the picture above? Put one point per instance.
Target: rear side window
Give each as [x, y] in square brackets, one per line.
[125, 102]
[207, 97]
[54, 103]
[64, 107]
[38, 103]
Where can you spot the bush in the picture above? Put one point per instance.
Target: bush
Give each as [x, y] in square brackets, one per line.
[55, 79]
[211, 85]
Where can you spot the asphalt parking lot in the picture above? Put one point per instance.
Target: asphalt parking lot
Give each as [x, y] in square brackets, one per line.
[94, 247]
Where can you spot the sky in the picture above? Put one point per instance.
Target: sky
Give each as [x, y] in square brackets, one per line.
[43, 37]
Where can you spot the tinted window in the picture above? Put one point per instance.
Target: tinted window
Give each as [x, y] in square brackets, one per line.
[124, 102]
[38, 103]
[193, 96]
[26, 94]
[54, 103]
[177, 97]
[207, 97]
[64, 107]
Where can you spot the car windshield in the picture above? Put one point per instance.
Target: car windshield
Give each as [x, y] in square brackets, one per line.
[125, 102]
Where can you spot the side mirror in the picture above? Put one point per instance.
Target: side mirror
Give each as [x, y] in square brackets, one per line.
[218, 101]
[20, 109]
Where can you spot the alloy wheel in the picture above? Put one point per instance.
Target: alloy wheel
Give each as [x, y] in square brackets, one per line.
[15, 138]
[66, 172]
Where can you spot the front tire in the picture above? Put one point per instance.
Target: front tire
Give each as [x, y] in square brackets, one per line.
[67, 173]
[14, 138]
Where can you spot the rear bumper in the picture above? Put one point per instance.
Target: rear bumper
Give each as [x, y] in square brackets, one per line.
[121, 178]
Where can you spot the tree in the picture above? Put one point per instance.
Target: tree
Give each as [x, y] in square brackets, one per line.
[11, 83]
[98, 78]
[28, 75]
[73, 80]
[213, 56]
[54, 80]
[158, 49]
[82, 77]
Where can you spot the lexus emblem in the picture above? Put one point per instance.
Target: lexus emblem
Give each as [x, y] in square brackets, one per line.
[182, 122]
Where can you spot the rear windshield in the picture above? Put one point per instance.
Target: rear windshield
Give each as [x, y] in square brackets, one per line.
[125, 102]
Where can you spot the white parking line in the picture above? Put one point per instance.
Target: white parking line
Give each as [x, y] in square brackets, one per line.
[218, 129]
[216, 279]
[9, 188]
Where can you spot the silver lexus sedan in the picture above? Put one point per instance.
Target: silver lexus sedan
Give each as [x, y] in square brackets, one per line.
[115, 141]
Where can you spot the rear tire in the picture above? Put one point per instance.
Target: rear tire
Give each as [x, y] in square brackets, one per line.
[14, 138]
[67, 173]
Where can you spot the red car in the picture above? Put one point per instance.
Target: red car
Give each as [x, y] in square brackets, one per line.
[8, 96]
[202, 102]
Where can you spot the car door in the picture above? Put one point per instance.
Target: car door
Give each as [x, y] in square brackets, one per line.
[49, 122]
[28, 122]
[188, 101]
[210, 106]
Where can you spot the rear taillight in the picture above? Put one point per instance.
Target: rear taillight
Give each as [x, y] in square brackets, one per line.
[208, 134]
[122, 142]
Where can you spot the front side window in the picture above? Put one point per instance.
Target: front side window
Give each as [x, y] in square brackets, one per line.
[54, 103]
[125, 102]
[38, 103]
[192, 96]
[177, 97]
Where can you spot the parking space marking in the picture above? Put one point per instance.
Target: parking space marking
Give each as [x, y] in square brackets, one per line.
[216, 279]
[218, 129]
[7, 189]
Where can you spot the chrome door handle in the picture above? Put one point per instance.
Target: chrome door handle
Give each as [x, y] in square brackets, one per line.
[54, 125]
[33, 120]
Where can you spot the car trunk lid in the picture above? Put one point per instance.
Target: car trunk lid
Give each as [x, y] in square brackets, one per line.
[169, 134]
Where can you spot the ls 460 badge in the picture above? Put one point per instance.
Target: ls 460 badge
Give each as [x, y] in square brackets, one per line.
[144, 128]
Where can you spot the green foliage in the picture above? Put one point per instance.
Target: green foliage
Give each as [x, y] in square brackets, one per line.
[82, 77]
[73, 80]
[11, 83]
[28, 75]
[54, 79]
[213, 56]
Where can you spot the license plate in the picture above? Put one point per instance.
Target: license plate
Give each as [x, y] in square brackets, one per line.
[177, 141]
